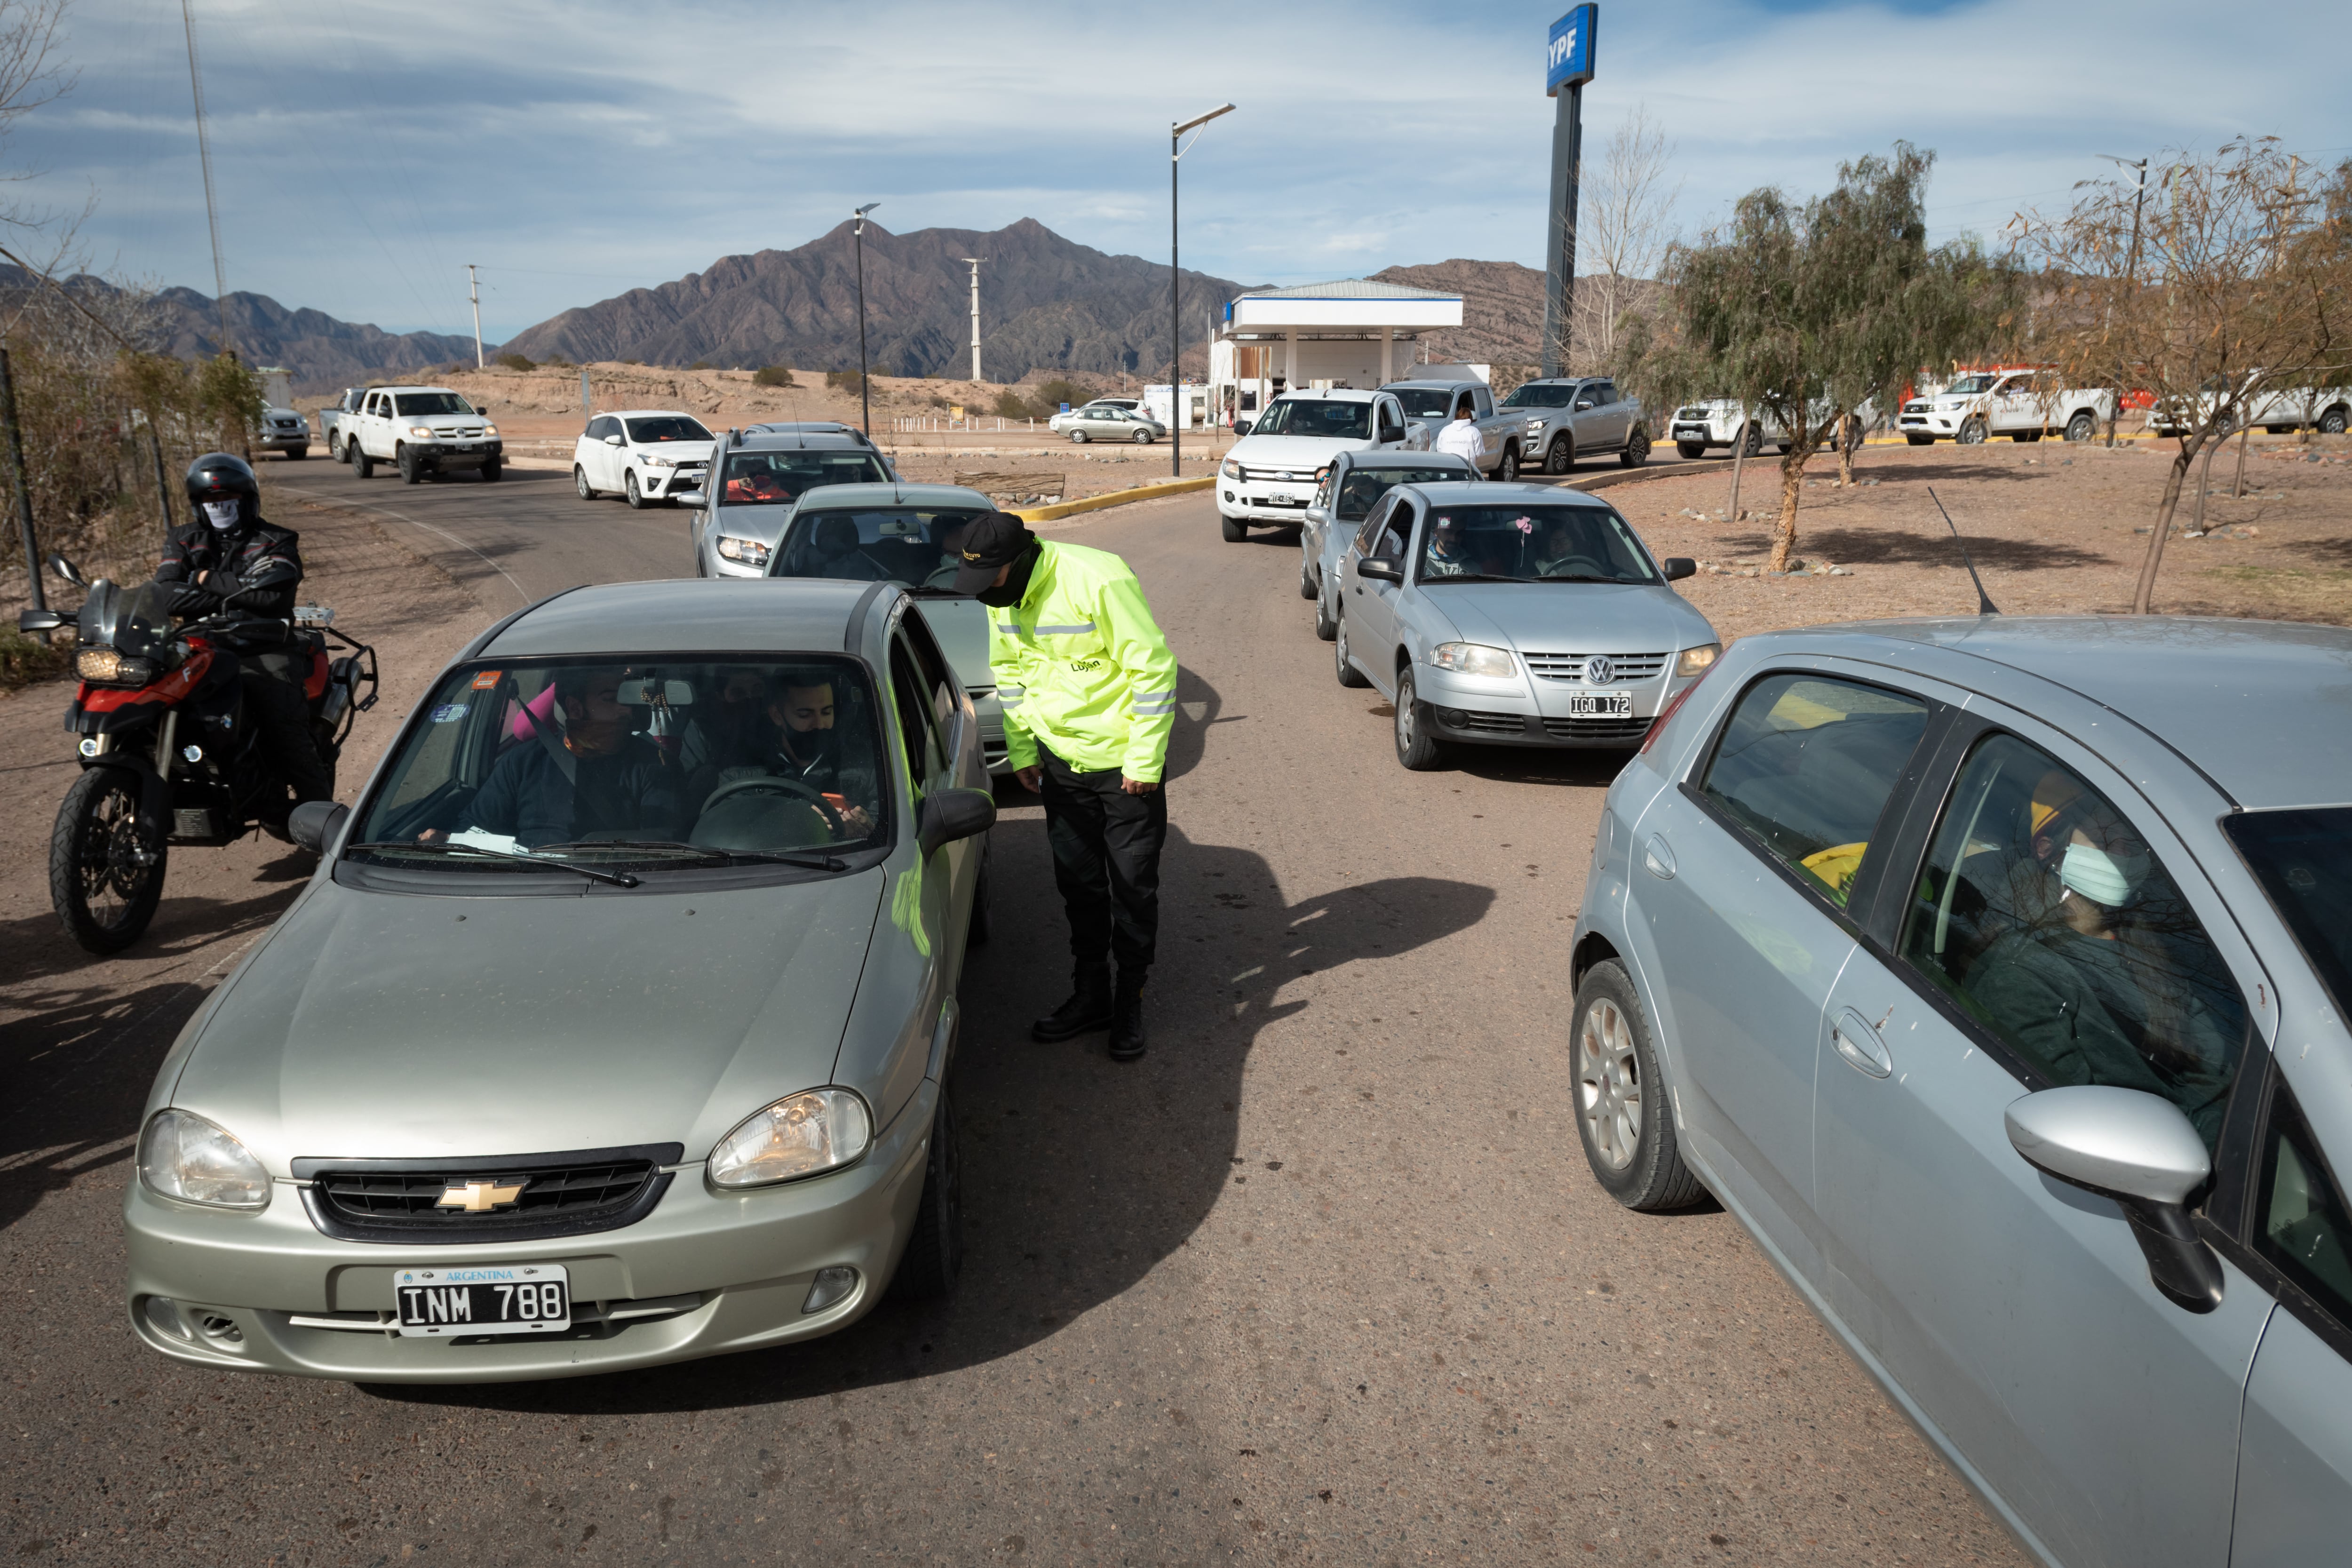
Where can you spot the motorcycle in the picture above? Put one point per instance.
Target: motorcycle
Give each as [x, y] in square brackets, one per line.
[169, 756]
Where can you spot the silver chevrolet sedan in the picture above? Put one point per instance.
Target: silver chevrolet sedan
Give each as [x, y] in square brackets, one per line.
[1514, 615]
[1994, 973]
[615, 1024]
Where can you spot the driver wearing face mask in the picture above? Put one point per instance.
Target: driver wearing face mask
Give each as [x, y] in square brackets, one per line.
[228, 558]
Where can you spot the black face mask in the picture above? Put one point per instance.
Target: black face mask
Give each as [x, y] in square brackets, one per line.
[1006, 595]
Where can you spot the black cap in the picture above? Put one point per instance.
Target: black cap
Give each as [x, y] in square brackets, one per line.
[994, 541]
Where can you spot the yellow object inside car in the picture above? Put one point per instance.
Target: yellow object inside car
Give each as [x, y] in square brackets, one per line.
[1835, 867]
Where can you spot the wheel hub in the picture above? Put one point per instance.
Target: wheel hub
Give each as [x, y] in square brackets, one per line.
[1608, 1084]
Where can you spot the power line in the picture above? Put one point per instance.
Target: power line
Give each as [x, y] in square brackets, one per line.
[204, 158]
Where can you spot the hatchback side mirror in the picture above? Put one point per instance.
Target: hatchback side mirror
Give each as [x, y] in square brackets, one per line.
[314, 824]
[1678, 567]
[949, 814]
[612, 440]
[1316, 514]
[1380, 571]
[2140, 1150]
[694, 500]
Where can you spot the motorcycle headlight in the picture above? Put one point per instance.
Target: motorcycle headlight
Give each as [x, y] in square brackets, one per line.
[820, 1129]
[1697, 660]
[750, 551]
[184, 1156]
[1473, 659]
[98, 664]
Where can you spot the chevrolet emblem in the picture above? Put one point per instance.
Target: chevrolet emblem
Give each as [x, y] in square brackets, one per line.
[481, 1197]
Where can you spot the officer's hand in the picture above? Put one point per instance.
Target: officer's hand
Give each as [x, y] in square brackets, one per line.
[1032, 779]
[1137, 786]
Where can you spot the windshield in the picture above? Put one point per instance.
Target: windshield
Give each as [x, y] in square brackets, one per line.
[772, 478]
[1532, 544]
[2303, 861]
[915, 547]
[1322, 417]
[1426, 402]
[414, 403]
[133, 620]
[660, 763]
[1968, 386]
[668, 427]
[1540, 395]
[1365, 485]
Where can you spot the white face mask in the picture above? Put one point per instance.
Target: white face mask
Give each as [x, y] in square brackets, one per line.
[2104, 879]
[221, 513]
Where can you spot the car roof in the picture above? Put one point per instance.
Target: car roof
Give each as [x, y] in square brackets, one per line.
[648, 413]
[1391, 457]
[1336, 395]
[755, 440]
[828, 498]
[766, 615]
[450, 390]
[1448, 384]
[1464, 492]
[2262, 708]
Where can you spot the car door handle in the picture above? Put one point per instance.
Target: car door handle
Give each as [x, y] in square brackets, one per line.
[1659, 856]
[1859, 1044]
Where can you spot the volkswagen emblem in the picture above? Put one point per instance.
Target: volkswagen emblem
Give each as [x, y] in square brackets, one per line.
[1597, 671]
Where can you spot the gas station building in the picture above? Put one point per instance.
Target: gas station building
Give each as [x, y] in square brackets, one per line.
[1355, 333]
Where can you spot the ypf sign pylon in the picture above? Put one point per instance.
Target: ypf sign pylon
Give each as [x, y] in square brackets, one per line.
[1568, 65]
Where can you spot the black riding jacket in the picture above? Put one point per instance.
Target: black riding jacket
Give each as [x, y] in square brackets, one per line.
[197, 547]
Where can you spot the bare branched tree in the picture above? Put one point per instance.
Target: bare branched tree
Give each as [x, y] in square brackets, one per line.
[1625, 227]
[39, 239]
[2244, 289]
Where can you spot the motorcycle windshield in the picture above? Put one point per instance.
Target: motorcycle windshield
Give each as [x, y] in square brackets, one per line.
[134, 622]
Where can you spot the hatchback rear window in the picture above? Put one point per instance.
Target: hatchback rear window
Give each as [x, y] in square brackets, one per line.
[777, 479]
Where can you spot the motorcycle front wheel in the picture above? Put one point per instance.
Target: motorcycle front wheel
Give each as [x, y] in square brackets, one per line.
[103, 892]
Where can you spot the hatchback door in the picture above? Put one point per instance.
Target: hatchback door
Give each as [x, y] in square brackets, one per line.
[2055, 932]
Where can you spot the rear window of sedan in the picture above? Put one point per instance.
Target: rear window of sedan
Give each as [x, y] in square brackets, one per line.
[776, 478]
[914, 547]
[669, 427]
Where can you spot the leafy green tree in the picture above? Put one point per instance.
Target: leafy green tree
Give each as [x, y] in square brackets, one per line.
[1805, 313]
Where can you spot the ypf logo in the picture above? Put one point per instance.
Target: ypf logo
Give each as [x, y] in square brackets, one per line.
[1561, 48]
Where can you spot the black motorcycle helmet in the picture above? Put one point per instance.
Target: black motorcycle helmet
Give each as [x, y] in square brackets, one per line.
[218, 478]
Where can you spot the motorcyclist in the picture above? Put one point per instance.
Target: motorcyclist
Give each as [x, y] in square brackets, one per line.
[227, 557]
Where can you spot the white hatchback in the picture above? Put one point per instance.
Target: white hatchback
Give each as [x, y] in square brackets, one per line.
[647, 455]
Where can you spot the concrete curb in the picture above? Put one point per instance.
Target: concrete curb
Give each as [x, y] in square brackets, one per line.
[1114, 498]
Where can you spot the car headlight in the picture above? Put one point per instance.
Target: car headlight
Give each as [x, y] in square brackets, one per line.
[184, 1156]
[654, 460]
[1230, 469]
[489, 429]
[819, 1129]
[1473, 659]
[750, 551]
[420, 432]
[1697, 660]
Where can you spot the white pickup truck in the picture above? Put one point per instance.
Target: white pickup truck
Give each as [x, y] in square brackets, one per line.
[2022, 404]
[2281, 411]
[419, 430]
[1270, 474]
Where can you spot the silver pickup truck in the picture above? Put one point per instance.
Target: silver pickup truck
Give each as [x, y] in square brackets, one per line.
[1438, 403]
[1564, 419]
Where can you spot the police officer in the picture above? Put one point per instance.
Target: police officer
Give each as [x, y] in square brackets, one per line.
[226, 557]
[1089, 689]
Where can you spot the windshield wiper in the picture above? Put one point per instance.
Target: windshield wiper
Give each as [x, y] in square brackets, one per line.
[594, 873]
[1576, 577]
[1477, 577]
[827, 863]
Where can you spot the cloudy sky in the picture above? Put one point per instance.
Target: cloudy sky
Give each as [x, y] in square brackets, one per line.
[364, 151]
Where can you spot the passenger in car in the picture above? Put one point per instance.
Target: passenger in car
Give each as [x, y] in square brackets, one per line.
[838, 555]
[597, 780]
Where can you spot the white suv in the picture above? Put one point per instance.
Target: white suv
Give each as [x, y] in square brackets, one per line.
[644, 454]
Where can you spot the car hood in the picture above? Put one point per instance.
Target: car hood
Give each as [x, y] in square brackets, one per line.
[377, 1025]
[679, 451]
[1292, 451]
[1572, 617]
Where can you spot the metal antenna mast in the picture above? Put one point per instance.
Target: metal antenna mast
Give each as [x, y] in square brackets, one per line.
[975, 261]
[204, 160]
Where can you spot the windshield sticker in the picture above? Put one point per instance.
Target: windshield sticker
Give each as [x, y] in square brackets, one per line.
[448, 713]
[486, 679]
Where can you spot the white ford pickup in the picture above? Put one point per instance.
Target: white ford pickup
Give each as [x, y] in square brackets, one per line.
[2022, 404]
[1270, 474]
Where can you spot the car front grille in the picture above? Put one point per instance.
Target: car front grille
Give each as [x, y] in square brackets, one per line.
[556, 1194]
[1476, 724]
[1630, 668]
[1700, 414]
[1596, 729]
[1276, 476]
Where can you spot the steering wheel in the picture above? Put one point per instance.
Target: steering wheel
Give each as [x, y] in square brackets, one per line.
[793, 789]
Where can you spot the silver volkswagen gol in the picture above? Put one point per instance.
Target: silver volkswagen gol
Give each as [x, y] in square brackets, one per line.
[1351, 485]
[1994, 975]
[613, 1027]
[756, 477]
[1514, 615]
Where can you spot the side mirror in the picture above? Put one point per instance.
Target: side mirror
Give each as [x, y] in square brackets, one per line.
[65, 569]
[2141, 1151]
[1582, 404]
[40, 620]
[1241, 426]
[314, 824]
[1678, 567]
[692, 499]
[1316, 514]
[952, 814]
[1380, 571]
[612, 440]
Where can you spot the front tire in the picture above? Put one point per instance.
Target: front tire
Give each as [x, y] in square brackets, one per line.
[934, 1254]
[1691, 450]
[630, 493]
[1326, 626]
[2082, 428]
[299, 454]
[1306, 588]
[1751, 439]
[2332, 422]
[1560, 457]
[1142, 437]
[1920, 440]
[493, 470]
[1637, 449]
[1349, 675]
[1622, 1113]
[1507, 469]
[1233, 528]
[1972, 433]
[580, 483]
[362, 464]
[102, 894]
[410, 470]
[1416, 748]
[1078, 436]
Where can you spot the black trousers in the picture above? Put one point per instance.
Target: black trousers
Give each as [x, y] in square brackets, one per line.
[1106, 847]
[278, 708]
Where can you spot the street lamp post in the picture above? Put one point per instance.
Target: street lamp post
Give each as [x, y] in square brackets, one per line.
[865, 398]
[1175, 288]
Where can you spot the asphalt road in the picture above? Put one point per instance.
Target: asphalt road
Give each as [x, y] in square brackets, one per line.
[1324, 1278]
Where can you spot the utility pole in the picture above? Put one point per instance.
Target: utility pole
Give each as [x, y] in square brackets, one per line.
[2131, 275]
[204, 160]
[975, 261]
[1568, 64]
[474, 293]
[1175, 290]
[858, 236]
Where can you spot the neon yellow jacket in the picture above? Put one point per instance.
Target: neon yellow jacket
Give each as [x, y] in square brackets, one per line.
[1082, 668]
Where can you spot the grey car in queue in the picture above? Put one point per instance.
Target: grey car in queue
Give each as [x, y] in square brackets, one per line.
[616, 1027]
[1350, 489]
[1993, 973]
[1512, 614]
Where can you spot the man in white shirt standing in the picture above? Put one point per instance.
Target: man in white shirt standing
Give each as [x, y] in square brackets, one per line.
[1463, 438]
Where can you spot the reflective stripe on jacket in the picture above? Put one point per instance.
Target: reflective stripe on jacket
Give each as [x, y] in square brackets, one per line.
[1082, 668]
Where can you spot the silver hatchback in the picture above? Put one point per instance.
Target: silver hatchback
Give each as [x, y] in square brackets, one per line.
[1994, 975]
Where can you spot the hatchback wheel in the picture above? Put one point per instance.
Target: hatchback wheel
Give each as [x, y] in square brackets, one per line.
[935, 1251]
[1142, 437]
[630, 493]
[1306, 588]
[1621, 1110]
[1349, 675]
[1327, 626]
[580, 483]
[1416, 748]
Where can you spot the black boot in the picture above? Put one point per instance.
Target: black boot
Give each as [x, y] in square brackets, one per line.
[1126, 1021]
[1087, 1009]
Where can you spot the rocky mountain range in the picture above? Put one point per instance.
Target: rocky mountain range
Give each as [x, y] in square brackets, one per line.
[1046, 304]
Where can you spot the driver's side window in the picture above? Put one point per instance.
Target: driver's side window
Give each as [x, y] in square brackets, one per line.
[1396, 531]
[927, 763]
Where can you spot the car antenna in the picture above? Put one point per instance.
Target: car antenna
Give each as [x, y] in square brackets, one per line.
[1985, 607]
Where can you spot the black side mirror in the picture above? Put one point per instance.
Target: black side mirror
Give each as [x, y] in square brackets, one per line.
[1678, 567]
[1380, 571]
[952, 814]
[40, 620]
[65, 569]
[1241, 426]
[314, 824]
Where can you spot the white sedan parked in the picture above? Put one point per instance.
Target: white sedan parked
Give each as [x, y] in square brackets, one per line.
[646, 453]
